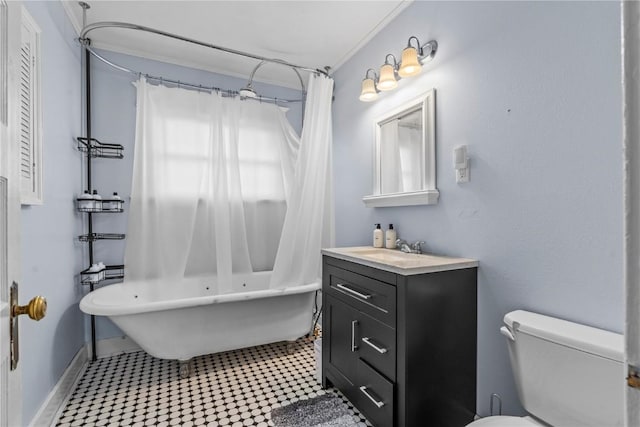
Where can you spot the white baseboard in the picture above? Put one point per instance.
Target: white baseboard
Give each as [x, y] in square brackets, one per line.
[55, 402]
[57, 399]
[113, 346]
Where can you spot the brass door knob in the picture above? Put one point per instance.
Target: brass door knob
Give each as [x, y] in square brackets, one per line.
[36, 309]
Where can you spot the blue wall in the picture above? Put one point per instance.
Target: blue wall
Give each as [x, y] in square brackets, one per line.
[534, 89]
[114, 116]
[51, 254]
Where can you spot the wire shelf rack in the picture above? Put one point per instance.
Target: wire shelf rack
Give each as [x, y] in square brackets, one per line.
[100, 236]
[95, 148]
[110, 272]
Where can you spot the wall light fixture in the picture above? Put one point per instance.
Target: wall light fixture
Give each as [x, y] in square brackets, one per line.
[369, 92]
[413, 57]
[388, 71]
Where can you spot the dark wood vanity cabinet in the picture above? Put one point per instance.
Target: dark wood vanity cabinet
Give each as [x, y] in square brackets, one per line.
[402, 348]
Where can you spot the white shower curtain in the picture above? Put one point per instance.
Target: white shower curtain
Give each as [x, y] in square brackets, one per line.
[211, 182]
[309, 223]
[209, 187]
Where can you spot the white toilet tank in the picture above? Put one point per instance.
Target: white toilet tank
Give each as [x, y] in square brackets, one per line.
[566, 374]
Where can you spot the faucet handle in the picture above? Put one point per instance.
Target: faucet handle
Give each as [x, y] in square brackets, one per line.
[417, 246]
[400, 242]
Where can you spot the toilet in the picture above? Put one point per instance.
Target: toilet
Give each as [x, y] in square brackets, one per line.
[566, 374]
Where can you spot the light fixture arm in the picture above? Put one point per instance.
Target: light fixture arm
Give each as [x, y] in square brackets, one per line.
[395, 61]
[375, 75]
[426, 51]
[418, 47]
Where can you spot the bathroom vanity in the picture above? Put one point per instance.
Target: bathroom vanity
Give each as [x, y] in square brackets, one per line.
[399, 335]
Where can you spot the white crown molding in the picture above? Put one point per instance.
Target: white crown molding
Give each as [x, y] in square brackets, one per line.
[366, 39]
[68, 8]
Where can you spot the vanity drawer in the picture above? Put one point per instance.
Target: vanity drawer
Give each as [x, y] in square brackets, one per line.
[373, 297]
[377, 345]
[375, 396]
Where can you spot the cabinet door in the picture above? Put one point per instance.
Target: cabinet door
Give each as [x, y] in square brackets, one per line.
[343, 336]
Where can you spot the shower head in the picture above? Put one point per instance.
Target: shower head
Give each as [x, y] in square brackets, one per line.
[248, 92]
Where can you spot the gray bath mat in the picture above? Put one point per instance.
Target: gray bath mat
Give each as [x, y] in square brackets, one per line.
[322, 411]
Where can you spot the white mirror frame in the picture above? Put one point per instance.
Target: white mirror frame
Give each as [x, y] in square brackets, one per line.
[429, 194]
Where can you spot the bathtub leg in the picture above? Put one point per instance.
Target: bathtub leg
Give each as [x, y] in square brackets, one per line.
[291, 347]
[186, 368]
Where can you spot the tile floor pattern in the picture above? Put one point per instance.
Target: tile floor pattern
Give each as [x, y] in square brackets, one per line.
[236, 388]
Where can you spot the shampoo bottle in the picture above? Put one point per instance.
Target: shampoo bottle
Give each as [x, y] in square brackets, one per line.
[97, 201]
[85, 201]
[116, 203]
[377, 237]
[390, 238]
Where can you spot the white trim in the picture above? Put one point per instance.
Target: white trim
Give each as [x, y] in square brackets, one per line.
[366, 39]
[77, 25]
[57, 399]
[426, 197]
[631, 160]
[429, 193]
[114, 346]
[68, 8]
[34, 196]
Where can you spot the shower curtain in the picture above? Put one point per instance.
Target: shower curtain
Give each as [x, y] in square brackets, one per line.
[309, 223]
[212, 178]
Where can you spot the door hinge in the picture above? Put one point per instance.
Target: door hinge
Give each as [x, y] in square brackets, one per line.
[633, 379]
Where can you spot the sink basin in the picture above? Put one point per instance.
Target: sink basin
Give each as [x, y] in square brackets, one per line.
[390, 256]
[397, 261]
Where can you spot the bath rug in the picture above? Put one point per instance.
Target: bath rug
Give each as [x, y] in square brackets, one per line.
[322, 411]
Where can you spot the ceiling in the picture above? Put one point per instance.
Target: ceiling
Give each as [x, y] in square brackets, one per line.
[310, 33]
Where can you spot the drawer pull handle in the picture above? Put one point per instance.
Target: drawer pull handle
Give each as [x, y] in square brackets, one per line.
[352, 292]
[354, 347]
[367, 341]
[363, 389]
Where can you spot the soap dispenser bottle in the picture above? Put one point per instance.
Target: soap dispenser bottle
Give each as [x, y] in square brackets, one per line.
[377, 237]
[97, 201]
[390, 238]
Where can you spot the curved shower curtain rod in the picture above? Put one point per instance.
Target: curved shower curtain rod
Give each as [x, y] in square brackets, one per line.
[180, 83]
[114, 24]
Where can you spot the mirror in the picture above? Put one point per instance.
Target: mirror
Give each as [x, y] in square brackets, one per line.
[404, 161]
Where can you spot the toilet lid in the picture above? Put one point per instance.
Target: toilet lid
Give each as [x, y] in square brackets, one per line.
[502, 421]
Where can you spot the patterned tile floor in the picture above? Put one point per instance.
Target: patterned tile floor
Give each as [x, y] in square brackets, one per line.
[236, 388]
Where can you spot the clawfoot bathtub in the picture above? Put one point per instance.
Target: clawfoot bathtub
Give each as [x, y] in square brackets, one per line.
[183, 320]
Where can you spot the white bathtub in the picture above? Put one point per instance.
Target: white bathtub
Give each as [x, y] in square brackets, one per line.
[188, 319]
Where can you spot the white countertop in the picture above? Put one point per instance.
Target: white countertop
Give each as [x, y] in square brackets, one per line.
[399, 262]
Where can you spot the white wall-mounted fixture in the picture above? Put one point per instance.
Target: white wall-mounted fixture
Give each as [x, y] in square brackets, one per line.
[461, 163]
[410, 65]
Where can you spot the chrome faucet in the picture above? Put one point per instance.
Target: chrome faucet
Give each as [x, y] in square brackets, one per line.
[414, 248]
